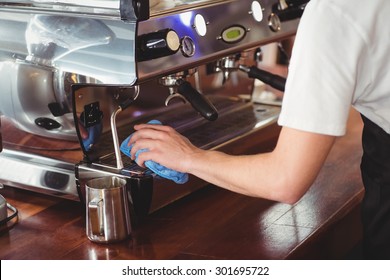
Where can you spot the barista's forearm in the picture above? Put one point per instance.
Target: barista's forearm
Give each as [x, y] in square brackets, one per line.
[282, 175]
[253, 175]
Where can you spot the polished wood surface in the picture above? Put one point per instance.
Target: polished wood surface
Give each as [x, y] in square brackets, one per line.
[208, 224]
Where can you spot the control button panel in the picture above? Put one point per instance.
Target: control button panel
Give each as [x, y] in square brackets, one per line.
[233, 34]
[257, 11]
[200, 25]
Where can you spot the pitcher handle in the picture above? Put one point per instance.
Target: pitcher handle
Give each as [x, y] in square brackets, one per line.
[96, 217]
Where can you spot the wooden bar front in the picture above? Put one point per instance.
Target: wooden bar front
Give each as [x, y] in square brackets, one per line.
[211, 223]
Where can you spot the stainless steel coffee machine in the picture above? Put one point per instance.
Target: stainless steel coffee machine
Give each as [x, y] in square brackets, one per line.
[77, 76]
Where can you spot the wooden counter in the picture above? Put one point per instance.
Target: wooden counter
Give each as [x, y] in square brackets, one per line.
[209, 224]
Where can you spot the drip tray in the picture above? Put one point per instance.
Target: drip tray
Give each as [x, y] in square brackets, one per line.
[231, 125]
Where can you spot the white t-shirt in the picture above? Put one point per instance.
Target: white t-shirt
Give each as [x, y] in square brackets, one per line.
[341, 57]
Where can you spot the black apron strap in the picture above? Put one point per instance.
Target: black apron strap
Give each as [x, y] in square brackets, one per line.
[375, 169]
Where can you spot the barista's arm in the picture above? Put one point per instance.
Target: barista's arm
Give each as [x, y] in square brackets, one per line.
[282, 175]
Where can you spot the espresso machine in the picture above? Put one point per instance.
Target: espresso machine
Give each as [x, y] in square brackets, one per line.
[77, 75]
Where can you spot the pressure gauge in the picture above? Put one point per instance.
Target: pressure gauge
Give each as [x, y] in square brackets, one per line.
[274, 22]
[187, 46]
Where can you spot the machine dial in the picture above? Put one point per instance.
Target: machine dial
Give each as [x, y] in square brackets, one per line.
[172, 41]
[157, 44]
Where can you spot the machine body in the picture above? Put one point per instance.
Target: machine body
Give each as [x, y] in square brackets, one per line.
[66, 68]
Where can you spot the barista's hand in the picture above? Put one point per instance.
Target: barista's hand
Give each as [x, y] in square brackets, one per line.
[164, 145]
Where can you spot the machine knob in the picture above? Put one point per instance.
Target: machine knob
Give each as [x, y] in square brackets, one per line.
[47, 123]
[157, 44]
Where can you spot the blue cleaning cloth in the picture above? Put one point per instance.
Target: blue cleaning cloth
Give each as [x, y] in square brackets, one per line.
[177, 177]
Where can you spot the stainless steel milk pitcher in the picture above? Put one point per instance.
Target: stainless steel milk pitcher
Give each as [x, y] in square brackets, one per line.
[107, 210]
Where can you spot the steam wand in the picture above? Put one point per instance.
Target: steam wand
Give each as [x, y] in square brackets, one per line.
[121, 107]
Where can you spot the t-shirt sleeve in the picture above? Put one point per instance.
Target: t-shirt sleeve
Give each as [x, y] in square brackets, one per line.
[323, 70]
